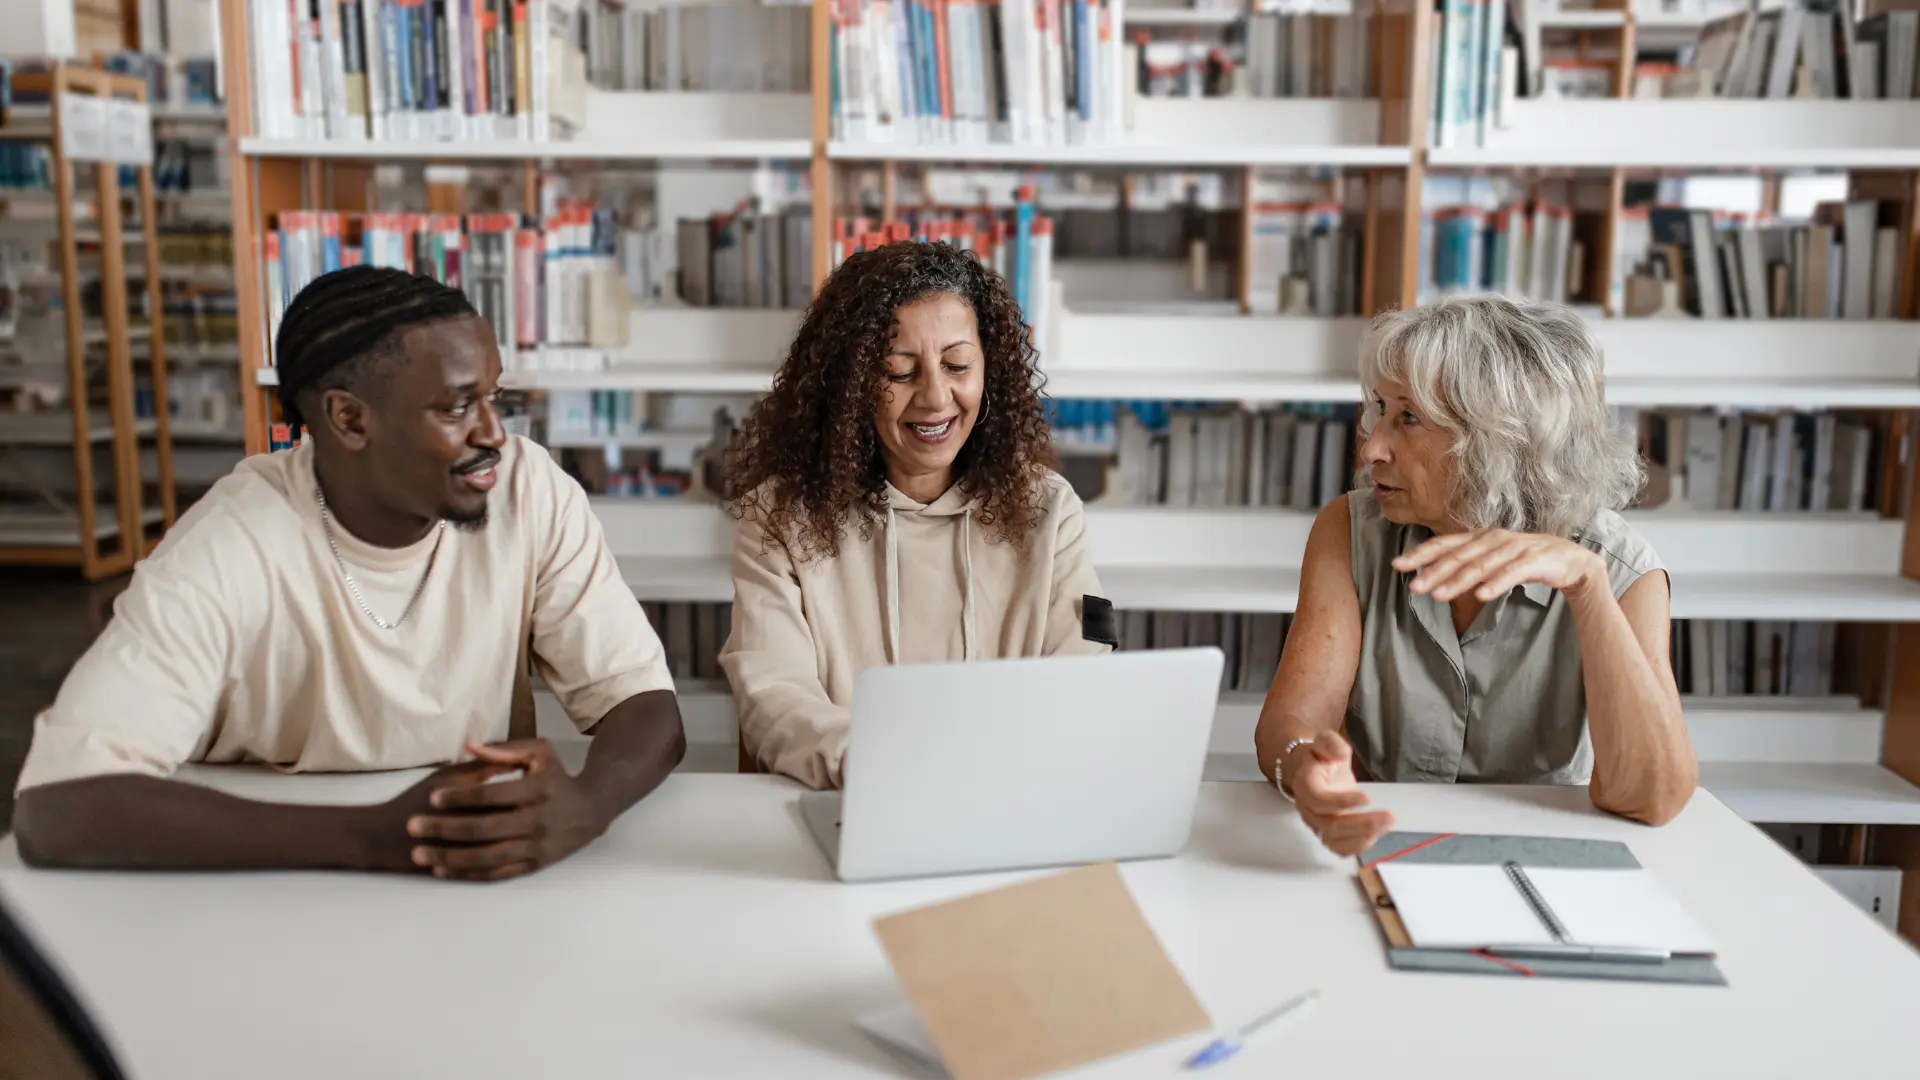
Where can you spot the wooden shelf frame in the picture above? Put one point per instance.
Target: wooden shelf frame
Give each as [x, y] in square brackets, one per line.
[128, 528]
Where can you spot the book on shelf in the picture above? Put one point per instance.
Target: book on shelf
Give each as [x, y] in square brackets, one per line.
[1752, 461]
[415, 70]
[740, 48]
[1029, 72]
[1843, 264]
[554, 281]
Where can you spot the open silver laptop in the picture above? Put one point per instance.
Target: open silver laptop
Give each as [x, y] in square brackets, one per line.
[1007, 764]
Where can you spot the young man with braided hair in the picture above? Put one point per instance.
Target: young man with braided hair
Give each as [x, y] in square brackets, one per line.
[315, 612]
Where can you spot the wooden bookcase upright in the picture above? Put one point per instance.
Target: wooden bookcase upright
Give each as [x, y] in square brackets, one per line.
[100, 547]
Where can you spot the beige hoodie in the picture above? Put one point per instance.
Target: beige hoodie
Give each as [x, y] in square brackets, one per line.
[931, 584]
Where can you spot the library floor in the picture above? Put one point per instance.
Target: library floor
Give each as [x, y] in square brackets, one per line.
[47, 619]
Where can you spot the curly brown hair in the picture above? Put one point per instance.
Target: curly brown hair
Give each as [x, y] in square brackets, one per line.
[808, 457]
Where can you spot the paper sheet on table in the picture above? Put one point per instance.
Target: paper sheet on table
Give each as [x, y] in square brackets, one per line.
[1446, 906]
[1450, 906]
[1620, 907]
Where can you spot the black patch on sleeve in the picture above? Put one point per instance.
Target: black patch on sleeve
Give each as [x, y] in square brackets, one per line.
[1097, 622]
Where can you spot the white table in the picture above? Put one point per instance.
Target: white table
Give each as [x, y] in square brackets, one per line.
[704, 937]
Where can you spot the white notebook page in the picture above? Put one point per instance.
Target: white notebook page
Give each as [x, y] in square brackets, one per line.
[1448, 906]
[1619, 907]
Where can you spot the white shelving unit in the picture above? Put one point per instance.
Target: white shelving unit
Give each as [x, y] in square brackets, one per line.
[620, 125]
[1183, 134]
[1697, 133]
[1752, 363]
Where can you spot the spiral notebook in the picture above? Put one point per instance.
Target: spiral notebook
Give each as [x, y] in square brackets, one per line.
[1531, 905]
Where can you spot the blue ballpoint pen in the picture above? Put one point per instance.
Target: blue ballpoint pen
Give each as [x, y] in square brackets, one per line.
[1225, 1046]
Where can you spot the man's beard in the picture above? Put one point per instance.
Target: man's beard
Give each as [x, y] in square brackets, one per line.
[465, 522]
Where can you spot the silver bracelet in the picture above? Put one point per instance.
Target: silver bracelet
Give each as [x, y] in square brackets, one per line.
[1280, 781]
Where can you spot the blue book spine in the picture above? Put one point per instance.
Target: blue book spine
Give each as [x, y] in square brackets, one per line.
[929, 64]
[903, 58]
[1083, 63]
[402, 31]
[1022, 251]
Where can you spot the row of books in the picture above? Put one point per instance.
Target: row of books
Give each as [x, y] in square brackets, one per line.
[1521, 249]
[1784, 461]
[1295, 55]
[1252, 642]
[171, 80]
[1299, 456]
[200, 320]
[1304, 259]
[1017, 244]
[1465, 69]
[745, 258]
[691, 635]
[1031, 72]
[1845, 264]
[726, 47]
[194, 246]
[555, 281]
[1795, 49]
[1719, 658]
[411, 70]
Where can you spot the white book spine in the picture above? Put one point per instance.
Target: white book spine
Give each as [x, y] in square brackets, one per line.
[540, 68]
[454, 77]
[333, 71]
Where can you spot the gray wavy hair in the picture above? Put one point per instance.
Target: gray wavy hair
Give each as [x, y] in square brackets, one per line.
[1521, 387]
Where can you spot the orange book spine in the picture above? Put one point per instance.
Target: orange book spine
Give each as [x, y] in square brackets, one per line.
[522, 63]
[943, 59]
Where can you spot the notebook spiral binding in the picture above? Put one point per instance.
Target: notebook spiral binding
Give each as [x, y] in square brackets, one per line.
[1518, 875]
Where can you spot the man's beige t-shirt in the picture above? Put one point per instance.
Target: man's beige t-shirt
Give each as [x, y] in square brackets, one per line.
[238, 640]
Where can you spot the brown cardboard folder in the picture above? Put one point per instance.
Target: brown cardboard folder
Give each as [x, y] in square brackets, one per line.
[1040, 976]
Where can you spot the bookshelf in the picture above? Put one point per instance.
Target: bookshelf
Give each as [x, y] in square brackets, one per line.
[69, 348]
[1848, 759]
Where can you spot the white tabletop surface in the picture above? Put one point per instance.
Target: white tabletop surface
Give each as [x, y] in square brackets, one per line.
[703, 936]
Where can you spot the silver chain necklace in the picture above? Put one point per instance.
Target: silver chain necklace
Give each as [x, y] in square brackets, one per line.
[326, 523]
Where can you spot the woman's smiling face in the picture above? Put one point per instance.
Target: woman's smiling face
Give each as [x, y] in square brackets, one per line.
[935, 375]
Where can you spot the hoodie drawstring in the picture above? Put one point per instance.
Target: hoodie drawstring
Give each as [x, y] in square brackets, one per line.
[893, 590]
[969, 633]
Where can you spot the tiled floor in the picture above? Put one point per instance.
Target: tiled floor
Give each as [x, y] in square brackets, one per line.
[47, 619]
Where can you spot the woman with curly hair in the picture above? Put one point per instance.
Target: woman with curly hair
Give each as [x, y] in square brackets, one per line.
[895, 502]
[1477, 611]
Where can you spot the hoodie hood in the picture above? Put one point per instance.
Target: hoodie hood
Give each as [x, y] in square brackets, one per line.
[952, 503]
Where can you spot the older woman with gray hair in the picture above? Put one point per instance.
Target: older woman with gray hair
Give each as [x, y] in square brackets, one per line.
[1477, 611]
